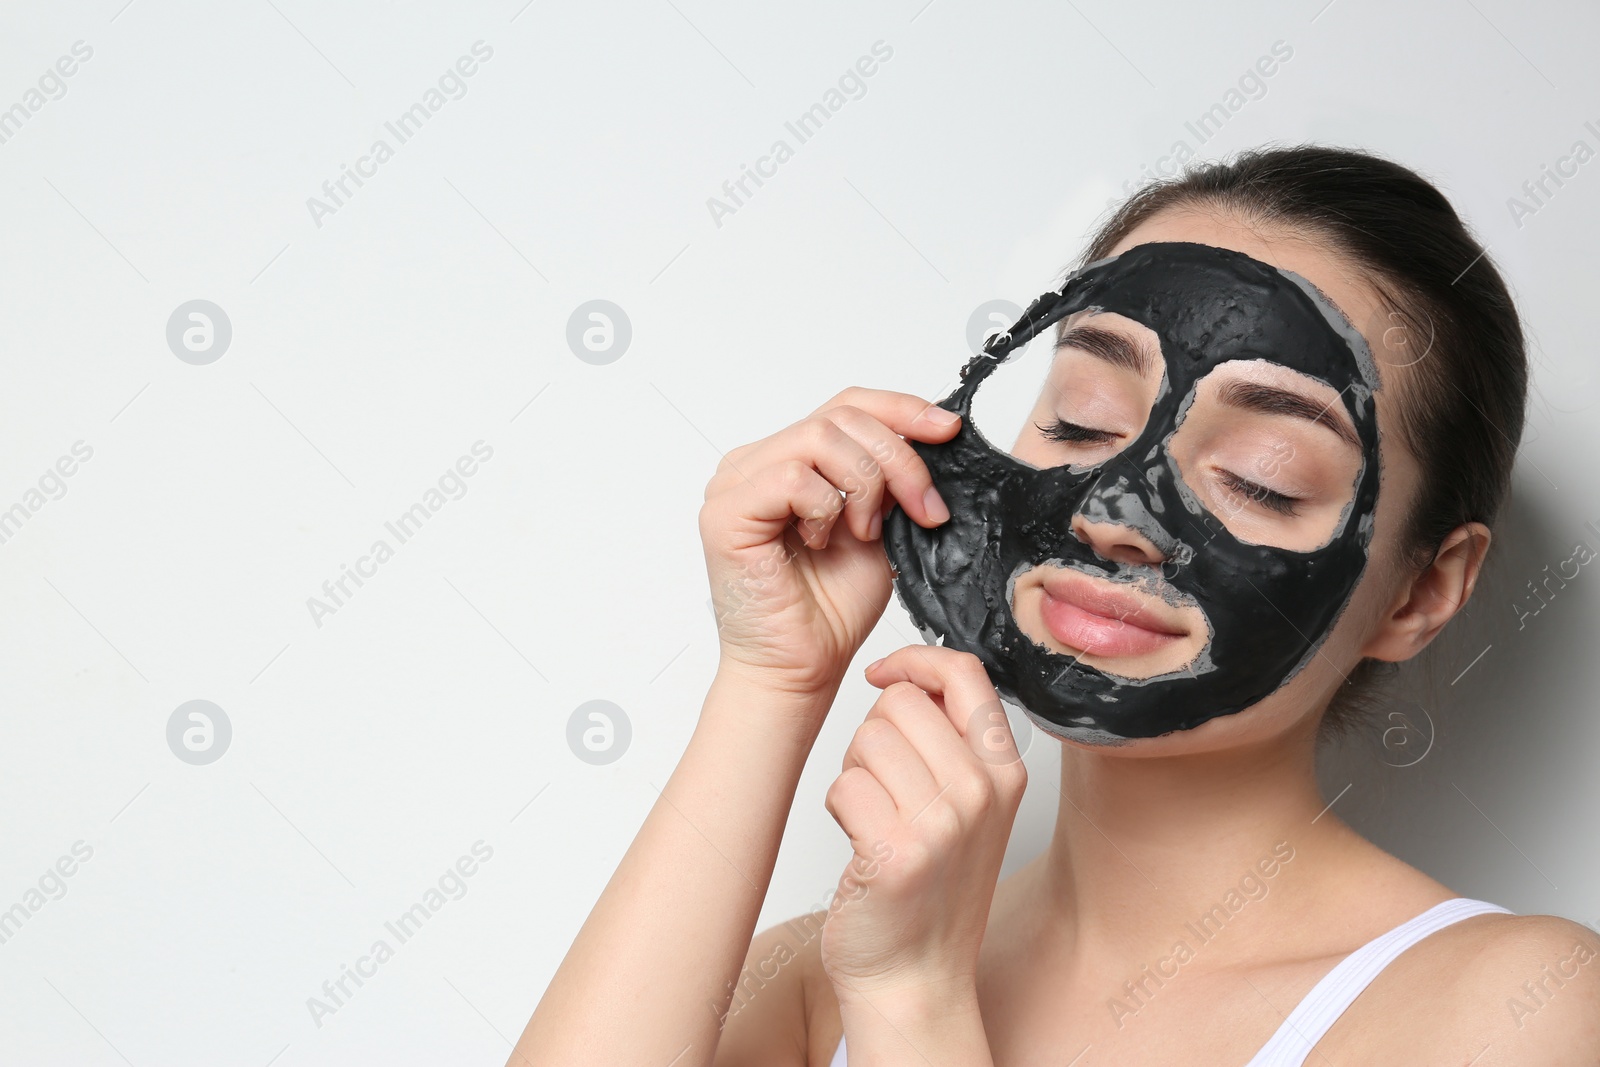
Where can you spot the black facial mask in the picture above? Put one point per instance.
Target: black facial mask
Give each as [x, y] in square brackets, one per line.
[1268, 608]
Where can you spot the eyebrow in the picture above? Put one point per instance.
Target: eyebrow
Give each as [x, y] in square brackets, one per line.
[1113, 347]
[1270, 400]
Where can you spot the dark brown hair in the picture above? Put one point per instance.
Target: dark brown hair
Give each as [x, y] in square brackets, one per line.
[1461, 411]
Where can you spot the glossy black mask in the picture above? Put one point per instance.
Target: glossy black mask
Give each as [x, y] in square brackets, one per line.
[1268, 608]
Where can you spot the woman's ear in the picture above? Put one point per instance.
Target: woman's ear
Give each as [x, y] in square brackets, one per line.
[1420, 610]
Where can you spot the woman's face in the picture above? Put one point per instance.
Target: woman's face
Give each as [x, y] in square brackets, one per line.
[1277, 474]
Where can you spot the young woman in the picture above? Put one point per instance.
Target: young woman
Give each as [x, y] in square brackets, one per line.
[1199, 900]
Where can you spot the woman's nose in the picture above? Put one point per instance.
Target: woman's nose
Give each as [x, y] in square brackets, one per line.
[1116, 541]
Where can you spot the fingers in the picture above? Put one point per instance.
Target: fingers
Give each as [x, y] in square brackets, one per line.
[904, 472]
[888, 417]
[904, 414]
[756, 513]
[970, 702]
[848, 467]
[863, 809]
[928, 729]
[883, 749]
[936, 738]
[857, 447]
[913, 780]
[893, 790]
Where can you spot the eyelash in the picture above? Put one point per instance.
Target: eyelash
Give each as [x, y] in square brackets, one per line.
[1267, 498]
[1273, 501]
[1071, 432]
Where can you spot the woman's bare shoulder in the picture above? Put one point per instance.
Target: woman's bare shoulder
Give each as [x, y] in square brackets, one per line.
[1492, 989]
[782, 1010]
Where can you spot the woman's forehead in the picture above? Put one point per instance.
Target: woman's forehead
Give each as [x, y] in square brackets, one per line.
[1210, 304]
[1329, 273]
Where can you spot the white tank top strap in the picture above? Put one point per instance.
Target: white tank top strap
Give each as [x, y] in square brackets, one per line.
[1338, 989]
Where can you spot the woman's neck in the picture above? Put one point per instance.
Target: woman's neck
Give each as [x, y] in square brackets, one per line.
[1150, 852]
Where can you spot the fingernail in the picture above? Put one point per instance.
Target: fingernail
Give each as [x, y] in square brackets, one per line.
[875, 527]
[933, 503]
[940, 416]
[874, 665]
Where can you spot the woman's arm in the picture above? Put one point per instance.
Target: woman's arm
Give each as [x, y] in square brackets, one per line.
[651, 971]
[789, 525]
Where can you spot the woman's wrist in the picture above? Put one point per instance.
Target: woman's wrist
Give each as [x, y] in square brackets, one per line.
[909, 996]
[940, 1022]
[769, 701]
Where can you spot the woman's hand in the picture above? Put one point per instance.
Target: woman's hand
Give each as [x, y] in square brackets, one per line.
[929, 789]
[795, 591]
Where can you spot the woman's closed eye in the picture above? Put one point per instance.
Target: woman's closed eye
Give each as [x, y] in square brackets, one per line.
[1270, 499]
[1072, 433]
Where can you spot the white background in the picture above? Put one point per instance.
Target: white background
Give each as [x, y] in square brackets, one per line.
[369, 352]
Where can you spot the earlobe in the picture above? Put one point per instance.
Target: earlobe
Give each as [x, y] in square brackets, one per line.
[1434, 596]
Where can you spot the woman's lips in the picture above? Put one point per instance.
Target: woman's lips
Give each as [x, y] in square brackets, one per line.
[1082, 614]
